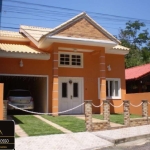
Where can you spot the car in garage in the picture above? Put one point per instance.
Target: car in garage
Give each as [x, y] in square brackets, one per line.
[20, 98]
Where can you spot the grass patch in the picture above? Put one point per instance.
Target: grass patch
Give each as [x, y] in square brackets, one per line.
[116, 118]
[69, 122]
[33, 126]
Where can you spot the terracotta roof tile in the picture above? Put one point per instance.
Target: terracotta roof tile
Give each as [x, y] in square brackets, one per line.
[136, 72]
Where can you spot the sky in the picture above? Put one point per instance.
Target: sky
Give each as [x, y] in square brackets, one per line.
[110, 14]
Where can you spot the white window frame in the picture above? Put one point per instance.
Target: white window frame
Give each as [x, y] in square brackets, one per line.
[119, 88]
[70, 65]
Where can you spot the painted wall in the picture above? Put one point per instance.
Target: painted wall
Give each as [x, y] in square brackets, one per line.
[90, 72]
[1, 101]
[117, 71]
[136, 99]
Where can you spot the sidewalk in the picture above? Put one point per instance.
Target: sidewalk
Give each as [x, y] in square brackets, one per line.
[83, 140]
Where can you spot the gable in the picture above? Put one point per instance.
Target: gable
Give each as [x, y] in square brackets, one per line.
[82, 29]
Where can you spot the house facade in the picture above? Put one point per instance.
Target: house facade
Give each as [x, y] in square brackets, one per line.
[76, 61]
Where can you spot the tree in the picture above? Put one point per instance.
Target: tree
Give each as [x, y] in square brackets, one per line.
[137, 39]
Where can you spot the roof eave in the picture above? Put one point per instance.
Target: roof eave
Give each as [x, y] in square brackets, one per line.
[117, 51]
[43, 56]
[80, 41]
[4, 38]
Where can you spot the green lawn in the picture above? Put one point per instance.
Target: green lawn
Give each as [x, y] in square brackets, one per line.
[116, 118]
[33, 126]
[69, 122]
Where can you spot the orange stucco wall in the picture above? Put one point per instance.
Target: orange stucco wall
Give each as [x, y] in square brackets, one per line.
[90, 72]
[1, 101]
[117, 71]
[136, 99]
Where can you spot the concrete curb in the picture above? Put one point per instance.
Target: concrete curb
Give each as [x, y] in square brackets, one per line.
[124, 135]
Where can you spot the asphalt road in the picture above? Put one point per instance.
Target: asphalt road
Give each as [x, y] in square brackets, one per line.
[145, 146]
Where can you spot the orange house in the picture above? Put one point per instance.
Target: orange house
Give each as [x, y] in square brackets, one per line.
[76, 61]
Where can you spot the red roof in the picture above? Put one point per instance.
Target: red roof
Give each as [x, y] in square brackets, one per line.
[136, 72]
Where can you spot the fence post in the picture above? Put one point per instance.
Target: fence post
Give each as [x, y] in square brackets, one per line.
[106, 110]
[126, 111]
[5, 103]
[88, 115]
[145, 108]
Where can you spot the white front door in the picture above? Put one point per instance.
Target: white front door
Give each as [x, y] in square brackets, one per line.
[70, 94]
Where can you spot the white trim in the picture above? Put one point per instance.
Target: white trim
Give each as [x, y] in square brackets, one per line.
[83, 41]
[119, 88]
[28, 75]
[75, 49]
[70, 66]
[25, 55]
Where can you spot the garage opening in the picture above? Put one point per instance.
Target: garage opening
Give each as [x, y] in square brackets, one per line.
[37, 85]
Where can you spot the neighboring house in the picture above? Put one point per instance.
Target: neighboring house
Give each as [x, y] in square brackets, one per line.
[138, 79]
[76, 61]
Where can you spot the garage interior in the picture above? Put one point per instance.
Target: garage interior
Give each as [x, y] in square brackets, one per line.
[35, 84]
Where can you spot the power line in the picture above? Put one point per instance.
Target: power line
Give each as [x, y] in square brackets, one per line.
[75, 10]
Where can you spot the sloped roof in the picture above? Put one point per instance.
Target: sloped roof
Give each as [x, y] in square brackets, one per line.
[18, 48]
[35, 32]
[11, 34]
[137, 72]
[22, 51]
[77, 18]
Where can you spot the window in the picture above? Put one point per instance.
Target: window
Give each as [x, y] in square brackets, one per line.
[70, 60]
[113, 90]
[64, 90]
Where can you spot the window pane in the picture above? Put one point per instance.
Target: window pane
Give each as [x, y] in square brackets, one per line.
[64, 90]
[107, 88]
[64, 59]
[116, 88]
[75, 89]
[111, 88]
